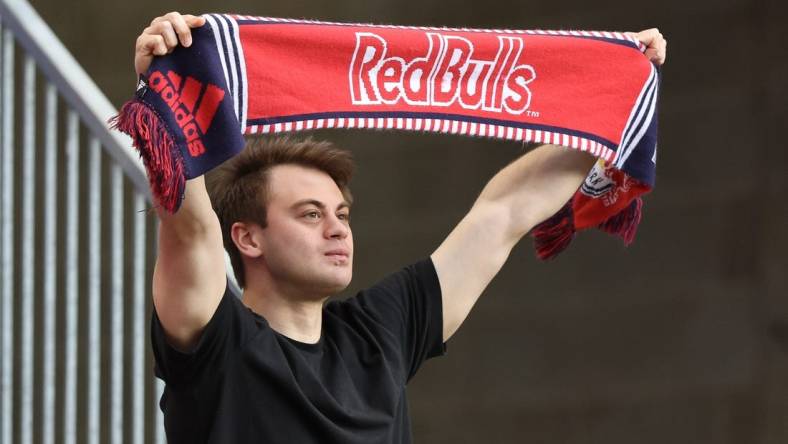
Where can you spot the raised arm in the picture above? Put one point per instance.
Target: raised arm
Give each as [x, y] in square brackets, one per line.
[519, 197]
[526, 192]
[189, 277]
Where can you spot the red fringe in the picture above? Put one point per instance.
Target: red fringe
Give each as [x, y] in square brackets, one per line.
[161, 157]
[554, 235]
[625, 223]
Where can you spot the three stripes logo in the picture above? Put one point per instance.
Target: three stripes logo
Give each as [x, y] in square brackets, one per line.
[193, 104]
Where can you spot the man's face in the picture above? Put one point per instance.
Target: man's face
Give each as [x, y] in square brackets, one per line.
[307, 244]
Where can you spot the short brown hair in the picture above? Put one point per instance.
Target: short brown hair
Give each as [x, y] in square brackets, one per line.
[239, 187]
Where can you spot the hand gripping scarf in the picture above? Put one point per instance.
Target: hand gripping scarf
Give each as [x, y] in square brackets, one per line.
[590, 91]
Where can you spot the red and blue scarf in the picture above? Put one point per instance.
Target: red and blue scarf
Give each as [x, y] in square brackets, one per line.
[591, 91]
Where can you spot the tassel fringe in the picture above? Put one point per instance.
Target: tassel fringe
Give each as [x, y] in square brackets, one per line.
[625, 223]
[159, 154]
[555, 234]
[552, 236]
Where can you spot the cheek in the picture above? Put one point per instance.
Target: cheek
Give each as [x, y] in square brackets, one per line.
[291, 240]
[283, 237]
[296, 240]
[287, 251]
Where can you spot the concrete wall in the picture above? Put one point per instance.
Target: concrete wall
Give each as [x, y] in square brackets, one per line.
[673, 340]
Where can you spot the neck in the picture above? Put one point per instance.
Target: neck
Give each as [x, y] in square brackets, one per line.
[290, 312]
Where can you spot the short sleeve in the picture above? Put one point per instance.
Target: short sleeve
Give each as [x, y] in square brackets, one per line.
[408, 304]
[224, 333]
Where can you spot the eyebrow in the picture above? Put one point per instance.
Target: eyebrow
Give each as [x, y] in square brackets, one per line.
[318, 204]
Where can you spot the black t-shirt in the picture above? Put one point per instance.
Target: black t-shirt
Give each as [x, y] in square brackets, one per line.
[244, 382]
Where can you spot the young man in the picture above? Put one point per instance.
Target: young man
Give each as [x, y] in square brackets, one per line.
[282, 365]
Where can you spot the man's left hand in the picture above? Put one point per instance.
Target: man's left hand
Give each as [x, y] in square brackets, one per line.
[656, 45]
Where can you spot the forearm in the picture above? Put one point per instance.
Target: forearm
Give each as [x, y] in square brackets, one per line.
[537, 185]
[194, 218]
[189, 275]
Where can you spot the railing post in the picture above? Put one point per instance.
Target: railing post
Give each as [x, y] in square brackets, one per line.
[138, 322]
[7, 234]
[116, 297]
[50, 266]
[27, 273]
[71, 299]
[94, 292]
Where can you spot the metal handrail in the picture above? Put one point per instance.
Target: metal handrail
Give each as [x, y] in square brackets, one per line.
[21, 25]
[74, 84]
[81, 93]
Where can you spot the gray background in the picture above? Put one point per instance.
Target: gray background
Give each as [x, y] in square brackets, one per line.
[680, 338]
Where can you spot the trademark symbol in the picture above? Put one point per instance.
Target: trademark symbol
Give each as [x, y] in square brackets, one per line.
[530, 113]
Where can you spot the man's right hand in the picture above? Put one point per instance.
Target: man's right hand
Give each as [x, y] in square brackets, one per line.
[162, 36]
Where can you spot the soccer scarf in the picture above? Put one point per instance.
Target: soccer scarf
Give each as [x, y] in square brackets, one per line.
[590, 91]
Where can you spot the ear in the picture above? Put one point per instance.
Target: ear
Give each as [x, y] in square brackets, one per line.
[246, 238]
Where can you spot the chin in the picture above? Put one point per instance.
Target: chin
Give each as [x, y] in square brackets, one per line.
[325, 288]
[338, 281]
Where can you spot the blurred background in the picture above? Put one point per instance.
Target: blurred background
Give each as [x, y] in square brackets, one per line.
[680, 338]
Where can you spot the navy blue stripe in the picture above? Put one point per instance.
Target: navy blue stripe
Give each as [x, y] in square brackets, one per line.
[225, 54]
[630, 129]
[626, 43]
[442, 116]
[652, 96]
[640, 104]
[229, 59]
[239, 96]
[645, 121]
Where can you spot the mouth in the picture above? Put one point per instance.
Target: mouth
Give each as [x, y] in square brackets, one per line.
[338, 254]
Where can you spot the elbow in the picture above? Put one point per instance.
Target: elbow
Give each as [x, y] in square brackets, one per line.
[521, 213]
[510, 219]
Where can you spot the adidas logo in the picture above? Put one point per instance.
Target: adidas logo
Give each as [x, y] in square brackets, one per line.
[193, 104]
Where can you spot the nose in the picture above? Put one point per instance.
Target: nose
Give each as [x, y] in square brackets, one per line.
[336, 228]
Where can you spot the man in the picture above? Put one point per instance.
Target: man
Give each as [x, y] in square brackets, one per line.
[282, 365]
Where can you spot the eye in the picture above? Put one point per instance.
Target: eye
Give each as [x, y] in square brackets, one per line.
[312, 215]
[343, 216]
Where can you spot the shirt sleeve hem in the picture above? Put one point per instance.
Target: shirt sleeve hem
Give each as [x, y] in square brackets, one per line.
[433, 290]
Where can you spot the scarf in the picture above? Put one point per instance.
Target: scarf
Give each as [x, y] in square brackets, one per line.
[590, 91]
